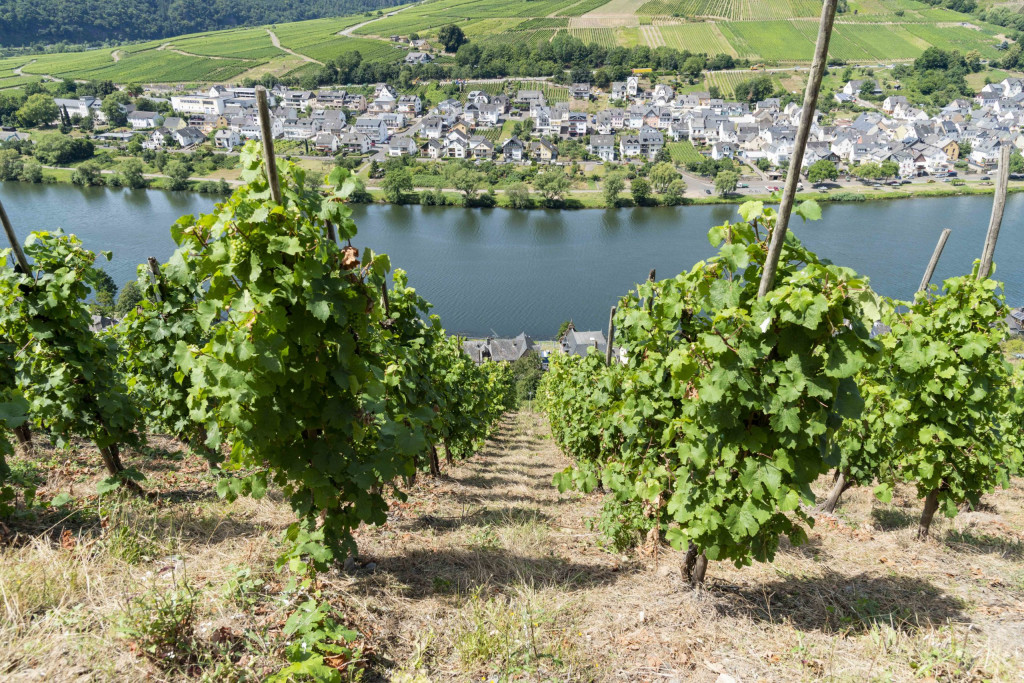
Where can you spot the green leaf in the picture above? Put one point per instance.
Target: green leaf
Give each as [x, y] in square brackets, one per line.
[809, 210]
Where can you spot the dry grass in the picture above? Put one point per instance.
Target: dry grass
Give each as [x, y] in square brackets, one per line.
[489, 573]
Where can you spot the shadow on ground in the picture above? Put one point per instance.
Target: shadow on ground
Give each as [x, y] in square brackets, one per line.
[455, 571]
[835, 602]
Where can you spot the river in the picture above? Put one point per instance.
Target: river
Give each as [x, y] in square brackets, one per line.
[502, 272]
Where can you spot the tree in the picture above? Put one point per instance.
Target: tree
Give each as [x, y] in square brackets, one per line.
[451, 37]
[868, 171]
[553, 184]
[132, 174]
[754, 90]
[397, 181]
[641, 191]
[87, 173]
[10, 164]
[527, 371]
[676, 193]
[822, 170]
[965, 148]
[32, 171]
[1016, 162]
[38, 110]
[662, 174]
[763, 164]
[467, 181]
[130, 297]
[113, 108]
[693, 66]
[177, 175]
[889, 169]
[57, 150]
[519, 196]
[104, 291]
[726, 182]
[614, 184]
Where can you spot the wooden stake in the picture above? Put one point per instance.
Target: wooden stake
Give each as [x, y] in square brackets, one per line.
[650, 300]
[154, 267]
[19, 255]
[611, 337]
[267, 137]
[998, 207]
[828, 15]
[930, 270]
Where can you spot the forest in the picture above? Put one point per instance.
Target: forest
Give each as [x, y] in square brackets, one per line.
[24, 23]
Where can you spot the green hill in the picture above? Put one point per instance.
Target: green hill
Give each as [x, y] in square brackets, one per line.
[775, 32]
[40, 22]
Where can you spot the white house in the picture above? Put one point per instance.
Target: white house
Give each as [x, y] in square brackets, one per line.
[226, 139]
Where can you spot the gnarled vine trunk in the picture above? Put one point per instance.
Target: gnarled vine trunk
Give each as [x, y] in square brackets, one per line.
[24, 436]
[838, 488]
[695, 565]
[435, 465]
[931, 504]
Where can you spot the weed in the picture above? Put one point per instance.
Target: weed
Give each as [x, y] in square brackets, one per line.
[243, 589]
[508, 636]
[319, 646]
[623, 524]
[127, 545]
[485, 538]
[947, 659]
[160, 624]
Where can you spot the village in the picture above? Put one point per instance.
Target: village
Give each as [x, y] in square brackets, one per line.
[637, 128]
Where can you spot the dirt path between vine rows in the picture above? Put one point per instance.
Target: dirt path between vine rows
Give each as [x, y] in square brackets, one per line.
[490, 573]
[276, 42]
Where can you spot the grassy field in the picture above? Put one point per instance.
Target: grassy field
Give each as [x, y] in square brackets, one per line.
[772, 31]
[488, 573]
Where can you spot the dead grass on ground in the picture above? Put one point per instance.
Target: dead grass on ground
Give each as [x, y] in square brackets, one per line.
[488, 573]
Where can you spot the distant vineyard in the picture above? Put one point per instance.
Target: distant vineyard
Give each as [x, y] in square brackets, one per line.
[688, 8]
[581, 8]
[596, 36]
[702, 37]
[683, 152]
[773, 40]
[245, 44]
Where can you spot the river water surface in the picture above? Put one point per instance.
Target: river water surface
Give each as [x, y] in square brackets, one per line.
[501, 271]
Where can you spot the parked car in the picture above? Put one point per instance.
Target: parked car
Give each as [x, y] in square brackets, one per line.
[742, 185]
[985, 177]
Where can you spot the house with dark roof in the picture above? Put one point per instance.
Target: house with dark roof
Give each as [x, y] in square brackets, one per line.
[579, 343]
[499, 350]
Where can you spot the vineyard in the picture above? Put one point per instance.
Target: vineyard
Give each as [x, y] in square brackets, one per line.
[282, 357]
[683, 152]
[606, 37]
[244, 44]
[700, 38]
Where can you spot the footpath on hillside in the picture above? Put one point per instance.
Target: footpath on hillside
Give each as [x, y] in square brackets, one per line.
[488, 573]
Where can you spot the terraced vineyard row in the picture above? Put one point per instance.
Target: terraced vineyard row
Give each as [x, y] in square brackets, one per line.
[683, 152]
[251, 43]
[697, 37]
[605, 37]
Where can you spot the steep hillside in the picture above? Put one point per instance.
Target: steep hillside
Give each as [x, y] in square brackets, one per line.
[36, 22]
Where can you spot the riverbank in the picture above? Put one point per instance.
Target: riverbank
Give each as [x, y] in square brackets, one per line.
[501, 272]
[579, 199]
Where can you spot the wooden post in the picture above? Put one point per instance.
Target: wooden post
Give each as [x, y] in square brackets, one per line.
[19, 255]
[998, 207]
[930, 270]
[611, 337]
[650, 300]
[267, 137]
[161, 291]
[828, 15]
